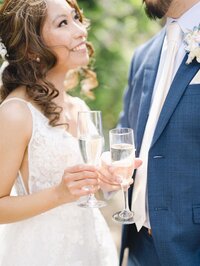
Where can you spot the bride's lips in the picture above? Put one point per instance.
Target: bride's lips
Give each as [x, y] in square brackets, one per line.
[80, 47]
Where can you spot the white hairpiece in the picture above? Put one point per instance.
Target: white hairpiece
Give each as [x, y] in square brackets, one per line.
[2, 67]
[3, 50]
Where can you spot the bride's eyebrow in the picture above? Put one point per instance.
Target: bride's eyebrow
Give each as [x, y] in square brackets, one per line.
[64, 15]
[59, 17]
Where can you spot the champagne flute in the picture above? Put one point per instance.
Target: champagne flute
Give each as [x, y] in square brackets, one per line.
[91, 144]
[122, 151]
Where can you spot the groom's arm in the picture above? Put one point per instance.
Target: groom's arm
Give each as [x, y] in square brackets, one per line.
[123, 121]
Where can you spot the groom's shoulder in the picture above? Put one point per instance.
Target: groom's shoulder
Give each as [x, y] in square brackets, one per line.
[144, 49]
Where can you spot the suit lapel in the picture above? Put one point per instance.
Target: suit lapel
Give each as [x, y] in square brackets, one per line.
[178, 86]
[147, 87]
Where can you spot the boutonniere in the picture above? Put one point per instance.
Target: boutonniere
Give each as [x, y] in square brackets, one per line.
[192, 44]
[3, 50]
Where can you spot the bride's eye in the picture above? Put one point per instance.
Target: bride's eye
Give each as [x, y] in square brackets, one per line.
[77, 16]
[63, 23]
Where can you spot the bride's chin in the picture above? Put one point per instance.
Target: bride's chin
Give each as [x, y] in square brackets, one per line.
[84, 63]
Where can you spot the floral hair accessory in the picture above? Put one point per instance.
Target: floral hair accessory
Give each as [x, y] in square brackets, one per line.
[192, 44]
[3, 50]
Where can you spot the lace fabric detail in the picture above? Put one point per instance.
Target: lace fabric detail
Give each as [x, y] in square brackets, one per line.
[50, 151]
[67, 235]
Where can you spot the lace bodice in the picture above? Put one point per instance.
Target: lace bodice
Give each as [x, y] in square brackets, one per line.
[50, 151]
[64, 236]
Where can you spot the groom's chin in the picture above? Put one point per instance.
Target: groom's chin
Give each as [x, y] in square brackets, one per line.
[156, 9]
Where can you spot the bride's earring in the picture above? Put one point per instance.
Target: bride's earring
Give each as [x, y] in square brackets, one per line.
[38, 59]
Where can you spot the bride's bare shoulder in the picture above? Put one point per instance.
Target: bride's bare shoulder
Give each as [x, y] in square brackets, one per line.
[15, 116]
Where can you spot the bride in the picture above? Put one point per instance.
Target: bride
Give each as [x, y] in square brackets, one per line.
[42, 225]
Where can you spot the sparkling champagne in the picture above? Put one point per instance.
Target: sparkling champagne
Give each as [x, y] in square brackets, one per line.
[91, 148]
[122, 156]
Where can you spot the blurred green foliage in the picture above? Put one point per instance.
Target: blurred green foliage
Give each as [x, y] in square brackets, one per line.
[117, 27]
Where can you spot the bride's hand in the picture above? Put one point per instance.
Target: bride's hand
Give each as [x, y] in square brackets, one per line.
[74, 180]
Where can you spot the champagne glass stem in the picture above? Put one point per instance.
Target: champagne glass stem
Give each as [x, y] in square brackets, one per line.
[125, 193]
[91, 199]
[125, 216]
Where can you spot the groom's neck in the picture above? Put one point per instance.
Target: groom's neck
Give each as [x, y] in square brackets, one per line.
[179, 7]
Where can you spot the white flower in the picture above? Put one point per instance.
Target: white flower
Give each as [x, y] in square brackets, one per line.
[192, 45]
[3, 50]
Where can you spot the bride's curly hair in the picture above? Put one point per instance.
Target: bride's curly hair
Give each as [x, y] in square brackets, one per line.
[21, 24]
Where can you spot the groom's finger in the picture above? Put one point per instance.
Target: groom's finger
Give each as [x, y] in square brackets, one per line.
[137, 163]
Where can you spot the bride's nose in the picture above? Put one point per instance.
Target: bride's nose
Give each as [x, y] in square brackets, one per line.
[79, 30]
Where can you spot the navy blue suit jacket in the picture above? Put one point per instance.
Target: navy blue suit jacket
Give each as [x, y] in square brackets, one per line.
[174, 156]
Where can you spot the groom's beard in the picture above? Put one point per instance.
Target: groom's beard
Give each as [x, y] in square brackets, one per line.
[156, 8]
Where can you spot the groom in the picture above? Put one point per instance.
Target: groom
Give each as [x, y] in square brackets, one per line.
[162, 105]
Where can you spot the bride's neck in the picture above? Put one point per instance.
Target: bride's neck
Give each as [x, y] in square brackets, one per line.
[57, 79]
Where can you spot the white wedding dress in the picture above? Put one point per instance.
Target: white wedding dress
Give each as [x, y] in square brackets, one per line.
[67, 235]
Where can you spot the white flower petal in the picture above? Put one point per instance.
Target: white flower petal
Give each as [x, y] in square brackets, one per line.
[192, 44]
